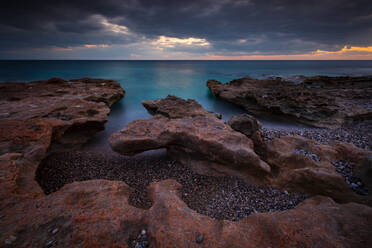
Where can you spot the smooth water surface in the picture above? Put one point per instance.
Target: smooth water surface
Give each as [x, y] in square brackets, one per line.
[143, 80]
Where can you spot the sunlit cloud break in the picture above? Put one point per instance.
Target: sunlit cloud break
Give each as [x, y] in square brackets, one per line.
[121, 29]
[96, 45]
[171, 42]
[345, 50]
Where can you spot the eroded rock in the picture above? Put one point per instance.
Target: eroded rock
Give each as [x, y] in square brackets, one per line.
[191, 133]
[75, 109]
[96, 213]
[38, 120]
[246, 124]
[250, 127]
[295, 163]
[318, 101]
[304, 165]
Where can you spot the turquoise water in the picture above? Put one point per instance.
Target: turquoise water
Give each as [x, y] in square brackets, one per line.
[155, 79]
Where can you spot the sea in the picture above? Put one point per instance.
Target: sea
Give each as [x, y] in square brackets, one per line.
[147, 80]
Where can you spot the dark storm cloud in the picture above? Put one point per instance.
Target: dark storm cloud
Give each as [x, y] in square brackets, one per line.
[252, 26]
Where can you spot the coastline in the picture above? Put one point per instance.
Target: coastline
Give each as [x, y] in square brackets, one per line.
[199, 187]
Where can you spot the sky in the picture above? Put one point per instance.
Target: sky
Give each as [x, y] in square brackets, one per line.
[194, 29]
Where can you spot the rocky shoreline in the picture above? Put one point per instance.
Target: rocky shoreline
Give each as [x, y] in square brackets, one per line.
[318, 101]
[217, 184]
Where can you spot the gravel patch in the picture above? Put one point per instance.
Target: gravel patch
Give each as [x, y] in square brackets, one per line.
[346, 170]
[218, 197]
[307, 154]
[359, 134]
[140, 241]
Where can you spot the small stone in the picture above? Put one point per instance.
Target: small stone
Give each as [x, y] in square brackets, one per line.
[286, 192]
[10, 240]
[199, 238]
[143, 232]
[4, 115]
[55, 230]
[49, 244]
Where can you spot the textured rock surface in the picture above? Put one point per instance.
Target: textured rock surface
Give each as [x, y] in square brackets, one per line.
[96, 214]
[75, 109]
[198, 134]
[37, 118]
[246, 124]
[250, 127]
[23, 144]
[318, 101]
[304, 165]
[174, 107]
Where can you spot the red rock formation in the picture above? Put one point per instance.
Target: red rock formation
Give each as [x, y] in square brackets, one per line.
[192, 134]
[97, 214]
[198, 134]
[319, 101]
[75, 109]
[250, 127]
[313, 173]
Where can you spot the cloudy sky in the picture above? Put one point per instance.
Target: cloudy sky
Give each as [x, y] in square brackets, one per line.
[194, 29]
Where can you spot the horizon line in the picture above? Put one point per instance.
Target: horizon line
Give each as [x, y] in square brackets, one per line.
[185, 59]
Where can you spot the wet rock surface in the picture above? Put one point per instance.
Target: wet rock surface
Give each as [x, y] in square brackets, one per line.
[218, 197]
[318, 101]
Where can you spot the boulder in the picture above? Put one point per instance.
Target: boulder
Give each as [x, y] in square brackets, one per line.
[245, 124]
[189, 132]
[250, 127]
[318, 101]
